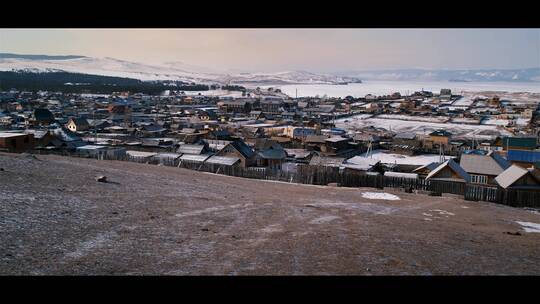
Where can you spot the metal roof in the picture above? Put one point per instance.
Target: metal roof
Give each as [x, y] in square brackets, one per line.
[510, 176]
[483, 164]
[223, 160]
[190, 149]
[168, 155]
[523, 156]
[194, 158]
[326, 161]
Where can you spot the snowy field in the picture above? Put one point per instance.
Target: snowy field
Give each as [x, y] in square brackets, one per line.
[408, 87]
[466, 130]
[414, 118]
[399, 159]
[380, 195]
[215, 93]
[496, 122]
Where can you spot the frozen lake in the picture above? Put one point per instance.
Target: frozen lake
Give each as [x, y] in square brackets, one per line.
[380, 87]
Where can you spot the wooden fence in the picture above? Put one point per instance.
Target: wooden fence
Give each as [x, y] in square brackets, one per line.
[321, 175]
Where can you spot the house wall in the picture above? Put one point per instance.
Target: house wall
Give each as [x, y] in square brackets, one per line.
[230, 151]
[439, 139]
[446, 173]
[18, 143]
[526, 180]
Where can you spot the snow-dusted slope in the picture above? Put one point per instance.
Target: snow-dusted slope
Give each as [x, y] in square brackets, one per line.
[531, 74]
[167, 71]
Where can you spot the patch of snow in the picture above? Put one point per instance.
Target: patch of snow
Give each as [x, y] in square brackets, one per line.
[442, 212]
[380, 195]
[530, 227]
[400, 159]
[324, 219]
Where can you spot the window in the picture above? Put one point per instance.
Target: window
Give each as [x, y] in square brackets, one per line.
[479, 179]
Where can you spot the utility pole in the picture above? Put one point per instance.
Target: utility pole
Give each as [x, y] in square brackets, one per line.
[95, 124]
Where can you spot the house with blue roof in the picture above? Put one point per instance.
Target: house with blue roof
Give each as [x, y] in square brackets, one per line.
[522, 158]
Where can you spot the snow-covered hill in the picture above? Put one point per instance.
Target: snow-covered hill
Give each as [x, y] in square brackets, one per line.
[531, 74]
[167, 71]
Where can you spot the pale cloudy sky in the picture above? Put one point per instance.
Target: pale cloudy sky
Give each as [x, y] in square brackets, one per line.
[317, 50]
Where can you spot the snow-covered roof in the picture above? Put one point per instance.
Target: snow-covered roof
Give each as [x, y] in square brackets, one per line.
[510, 176]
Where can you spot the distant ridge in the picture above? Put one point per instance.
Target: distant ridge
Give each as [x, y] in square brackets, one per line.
[38, 57]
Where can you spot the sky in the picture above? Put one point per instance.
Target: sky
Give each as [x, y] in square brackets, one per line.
[273, 50]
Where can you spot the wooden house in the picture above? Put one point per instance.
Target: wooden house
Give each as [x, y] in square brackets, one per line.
[483, 169]
[449, 171]
[239, 149]
[77, 124]
[16, 142]
[516, 177]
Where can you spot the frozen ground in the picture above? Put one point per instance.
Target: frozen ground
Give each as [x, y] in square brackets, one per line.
[56, 219]
[419, 127]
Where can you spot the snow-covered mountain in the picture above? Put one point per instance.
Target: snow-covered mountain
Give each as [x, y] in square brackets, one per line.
[531, 74]
[167, 71]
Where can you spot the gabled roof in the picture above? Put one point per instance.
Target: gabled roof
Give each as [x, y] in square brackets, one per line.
[80, 122]
[491, 164]
[452, 165]
[510, 176]
[431, 166]
[244, 149]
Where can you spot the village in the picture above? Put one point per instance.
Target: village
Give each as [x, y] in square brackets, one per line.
[487, 145]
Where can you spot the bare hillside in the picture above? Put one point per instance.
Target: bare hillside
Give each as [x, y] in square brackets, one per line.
[56, 219]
